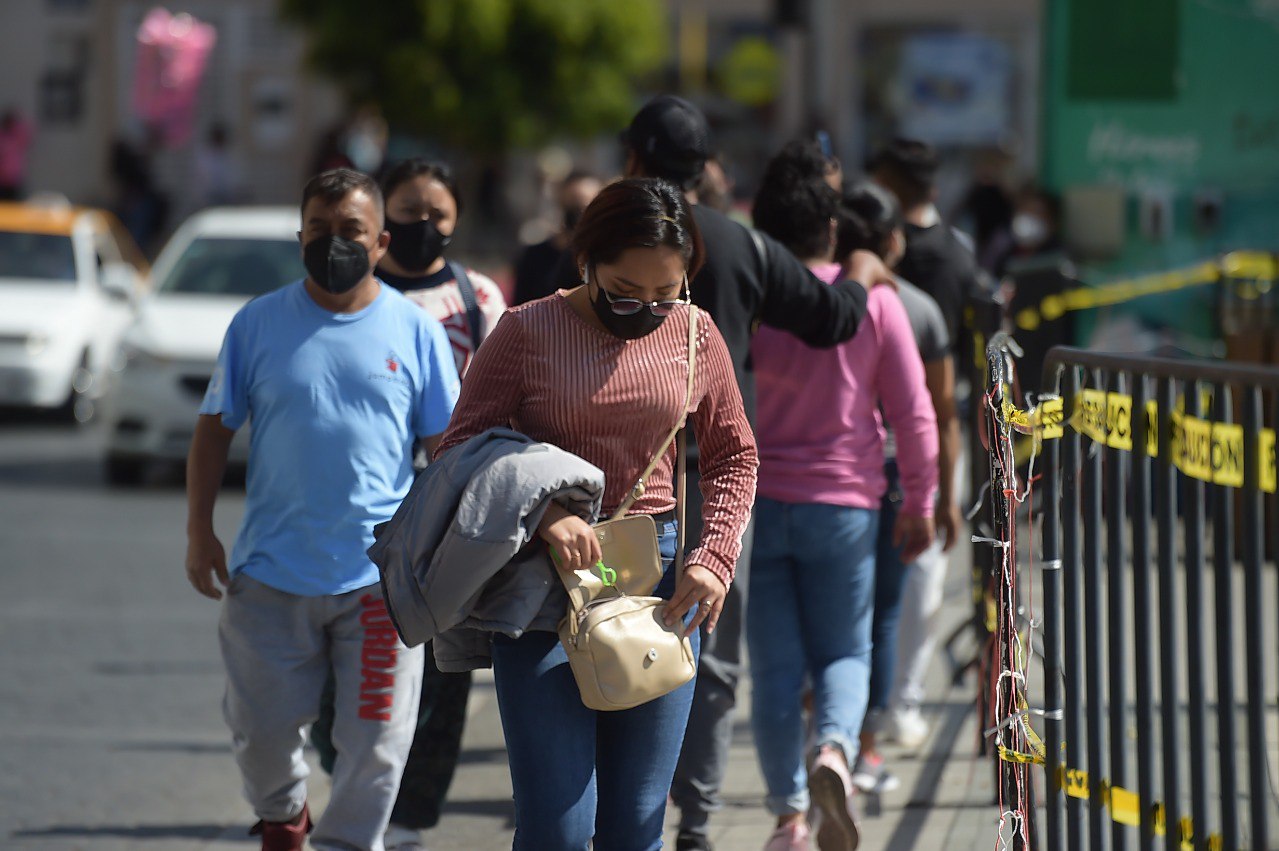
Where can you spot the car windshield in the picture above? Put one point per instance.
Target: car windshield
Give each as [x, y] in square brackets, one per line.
[233, 266]
[42, 256]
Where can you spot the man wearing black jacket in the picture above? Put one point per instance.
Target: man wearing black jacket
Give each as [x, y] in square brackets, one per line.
[748, 278]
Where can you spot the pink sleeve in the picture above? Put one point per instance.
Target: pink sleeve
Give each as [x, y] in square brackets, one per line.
[903, 392]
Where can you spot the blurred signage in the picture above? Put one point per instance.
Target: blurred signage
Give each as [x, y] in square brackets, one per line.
[172, 52]
[953, 89]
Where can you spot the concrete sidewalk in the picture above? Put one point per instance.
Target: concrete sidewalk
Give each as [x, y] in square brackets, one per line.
[946, 800]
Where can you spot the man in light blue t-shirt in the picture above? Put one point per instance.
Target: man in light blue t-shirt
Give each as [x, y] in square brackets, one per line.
[340, 377]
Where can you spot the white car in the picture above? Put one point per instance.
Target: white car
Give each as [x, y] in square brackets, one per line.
[69, 278]
[211, 267]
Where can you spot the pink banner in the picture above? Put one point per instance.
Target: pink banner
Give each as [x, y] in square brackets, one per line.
[172, 53]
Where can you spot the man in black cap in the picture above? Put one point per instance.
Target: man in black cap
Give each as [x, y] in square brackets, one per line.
[748, 278]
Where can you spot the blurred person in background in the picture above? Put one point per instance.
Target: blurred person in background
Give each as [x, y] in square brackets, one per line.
[937, 260]
[987, 207]
[340, 376]
[748, 279]
[716, 189]
[422, 210]
[538, 265]
[140, 205]
[908, 596]
[216, 173]
[817, 515]
[329, 153]
[15, 141]
[1033, 232]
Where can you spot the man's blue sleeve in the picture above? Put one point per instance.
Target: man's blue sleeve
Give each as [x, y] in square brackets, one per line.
[440, 383]
[228, 392]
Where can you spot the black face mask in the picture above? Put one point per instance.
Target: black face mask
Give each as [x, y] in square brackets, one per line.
[335, 263]
[416, 245]
[632, 327]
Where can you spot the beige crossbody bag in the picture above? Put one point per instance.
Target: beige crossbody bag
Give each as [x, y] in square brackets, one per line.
[620, 650]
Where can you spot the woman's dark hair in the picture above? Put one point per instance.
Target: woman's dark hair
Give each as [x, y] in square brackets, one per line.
[642, 212]
[868, 215]
[794, 204]
[405, 170]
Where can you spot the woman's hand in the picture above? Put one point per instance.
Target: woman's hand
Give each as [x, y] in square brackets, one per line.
[697, 586]
[570, 537]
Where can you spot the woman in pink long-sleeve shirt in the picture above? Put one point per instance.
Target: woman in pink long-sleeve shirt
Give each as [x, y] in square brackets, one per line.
[602, 371]
[821, 443]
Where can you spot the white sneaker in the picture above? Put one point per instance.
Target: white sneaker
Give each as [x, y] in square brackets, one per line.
[906, 726]
[871, 775]
[400, 838]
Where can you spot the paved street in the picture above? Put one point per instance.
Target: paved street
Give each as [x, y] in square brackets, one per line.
[111, 735]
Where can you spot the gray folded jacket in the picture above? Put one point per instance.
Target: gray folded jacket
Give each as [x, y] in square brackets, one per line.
[460, 559]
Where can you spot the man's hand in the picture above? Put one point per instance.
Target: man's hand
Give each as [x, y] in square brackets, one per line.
[697, 587]
[867, 269]
[572, 540]
[913, 534]
[206, 559]
[949, 521]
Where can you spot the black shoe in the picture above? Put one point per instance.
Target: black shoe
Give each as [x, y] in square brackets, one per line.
[692, 842]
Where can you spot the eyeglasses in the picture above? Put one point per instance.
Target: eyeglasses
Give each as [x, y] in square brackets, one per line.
[622, 306]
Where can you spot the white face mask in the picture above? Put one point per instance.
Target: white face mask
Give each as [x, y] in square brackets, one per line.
[1029, 230]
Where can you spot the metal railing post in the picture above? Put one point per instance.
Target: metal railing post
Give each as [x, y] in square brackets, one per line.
[1223, 542]
[1193, 523]
[1053, 766]
[1252, 519]
[1072, 633]
[1142, 607]
[1094, 641]
[1169, 655]
[1115, 506]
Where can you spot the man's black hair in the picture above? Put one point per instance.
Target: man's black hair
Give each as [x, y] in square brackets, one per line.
[909, 168]
[795, 204]
[334, 185]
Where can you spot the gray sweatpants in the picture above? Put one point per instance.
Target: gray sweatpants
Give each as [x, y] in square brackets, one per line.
[279, 649]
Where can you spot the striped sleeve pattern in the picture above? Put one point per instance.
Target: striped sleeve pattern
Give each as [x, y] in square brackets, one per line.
[549, 374]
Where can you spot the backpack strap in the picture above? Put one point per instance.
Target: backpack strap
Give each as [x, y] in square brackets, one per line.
[467, 290]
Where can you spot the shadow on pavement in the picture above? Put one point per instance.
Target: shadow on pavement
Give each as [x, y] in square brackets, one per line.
[138, 832]
[482, 756]
[910, 830]
[498, 808]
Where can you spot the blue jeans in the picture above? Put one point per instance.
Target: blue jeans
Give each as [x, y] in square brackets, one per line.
[579, 774]
[809, 613]
[890, 581]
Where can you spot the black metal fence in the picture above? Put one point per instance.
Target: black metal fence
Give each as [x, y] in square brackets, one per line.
[1160, 679]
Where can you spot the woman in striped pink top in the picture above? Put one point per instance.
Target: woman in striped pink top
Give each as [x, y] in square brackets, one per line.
[601, 371]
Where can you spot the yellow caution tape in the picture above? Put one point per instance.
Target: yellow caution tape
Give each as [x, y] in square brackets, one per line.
[1255, 266]
[1125, 807]
[1203, 449]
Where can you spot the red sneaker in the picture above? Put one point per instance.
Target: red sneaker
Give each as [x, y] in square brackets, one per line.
[284, 835]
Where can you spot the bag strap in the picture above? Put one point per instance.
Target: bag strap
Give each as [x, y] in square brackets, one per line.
[637, 490]
[467, 290]
[681, 464]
